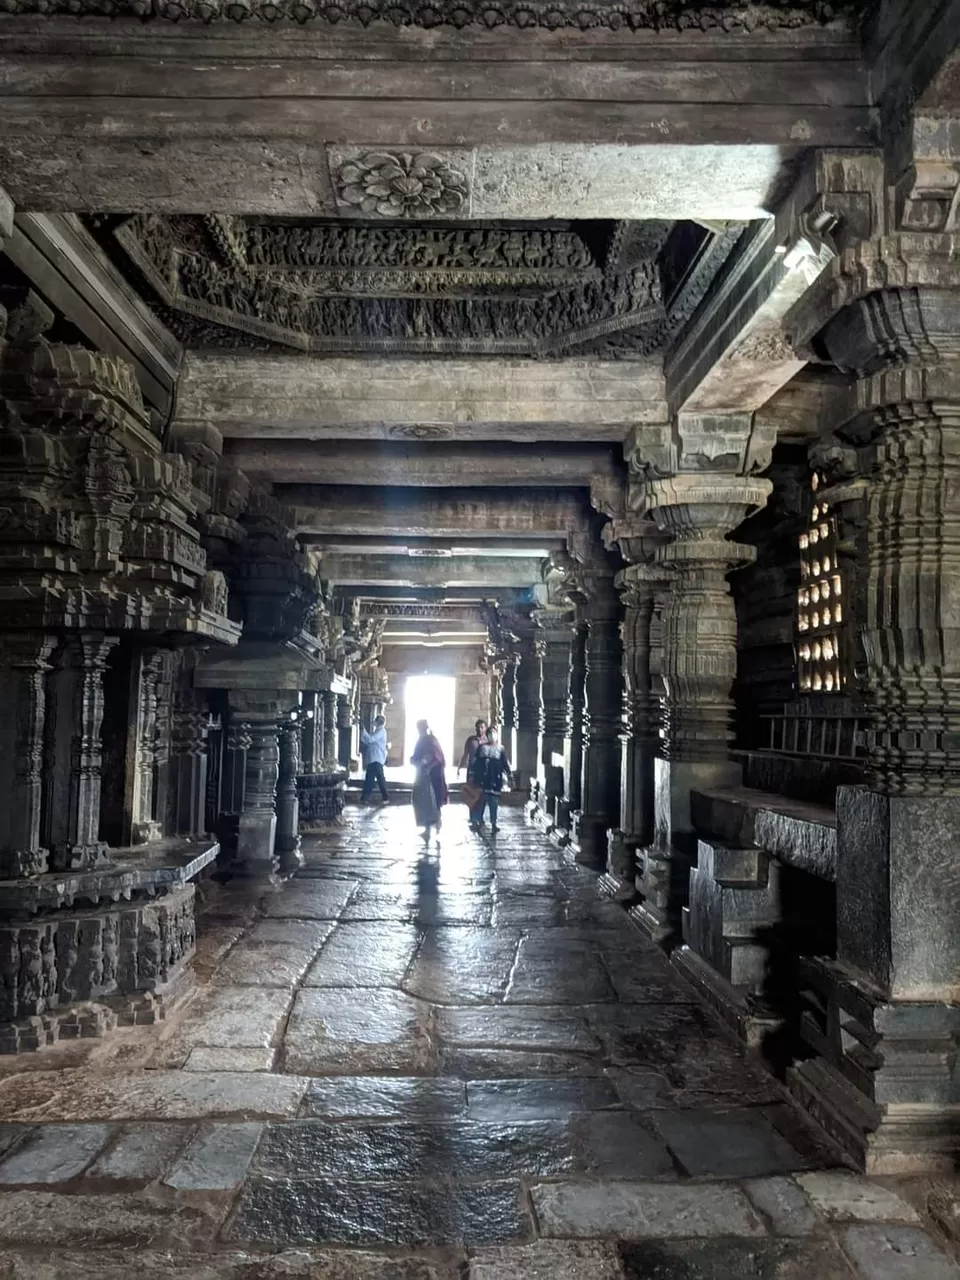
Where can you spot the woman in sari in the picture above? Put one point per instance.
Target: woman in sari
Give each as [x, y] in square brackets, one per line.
[430, 784]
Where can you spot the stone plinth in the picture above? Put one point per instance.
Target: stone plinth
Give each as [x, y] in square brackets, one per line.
[89, 949]
[322, 797]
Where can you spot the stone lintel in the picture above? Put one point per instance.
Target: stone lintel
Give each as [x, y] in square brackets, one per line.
[450, 513]
[273, 397]
[427, 464]
[442, 571]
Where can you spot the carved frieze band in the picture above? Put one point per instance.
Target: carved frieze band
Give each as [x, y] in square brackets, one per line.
[523, 15]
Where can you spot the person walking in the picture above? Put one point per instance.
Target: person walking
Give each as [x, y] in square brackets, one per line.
[490, 771]
[430, 784]
[467, 758]
[374, 747]
[470, 746]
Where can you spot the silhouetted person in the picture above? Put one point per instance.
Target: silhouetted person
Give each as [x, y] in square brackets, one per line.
[373, 746]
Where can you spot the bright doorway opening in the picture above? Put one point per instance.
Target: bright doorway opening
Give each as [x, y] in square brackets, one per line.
[430, 698]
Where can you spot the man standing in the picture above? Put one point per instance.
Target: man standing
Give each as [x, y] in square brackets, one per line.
[373, 746]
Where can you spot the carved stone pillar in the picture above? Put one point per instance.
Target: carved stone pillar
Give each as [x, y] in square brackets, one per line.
[508, 686]
[344, 750]
[885, 1017]
[578, 676]
[529, 709]
[288, 808]
[496, 694]
[557, 711]
[641, 722]
[698, 664]
[257, 828]
[145, 824]
[188, 763]
[330, 738]
[603, 703]
[310, 738]
[24, 662]
[74, 753]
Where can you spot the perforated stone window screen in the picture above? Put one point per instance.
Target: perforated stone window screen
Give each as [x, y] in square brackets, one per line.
[820, 602]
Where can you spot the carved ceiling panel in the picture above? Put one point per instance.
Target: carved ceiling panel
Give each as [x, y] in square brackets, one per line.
[384, 281]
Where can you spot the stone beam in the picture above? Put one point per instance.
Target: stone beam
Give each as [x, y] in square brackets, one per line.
[296, 463]
[583, 124]
[733, 356]
[468, 545]
[314, 398]
[432, 571]
[447, 513]
[70, 270]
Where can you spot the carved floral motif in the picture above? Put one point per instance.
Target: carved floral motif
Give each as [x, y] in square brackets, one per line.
[401, 185]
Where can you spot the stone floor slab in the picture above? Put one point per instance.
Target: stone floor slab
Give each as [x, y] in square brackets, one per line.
[845, 1197]
[500, 1101]
[739, 1144]
[364, 955]
[311, 899]
[463, 966]
[499, 1064]
[265, 964]
[213, 1058]
[56, 1221]
[734, 1260]
[383, 1098]
[141, 1152]
[217, 1159]
[290, 1264]
[332, 1031]
[54, 1153]
[783, 1204]
[233, 1018]
[548, 1260]
[612, 1144]
[284, 1211]
[897, 1253]
[555, 1028]
[642, 1210]
[149, 1095]
[392, 1152]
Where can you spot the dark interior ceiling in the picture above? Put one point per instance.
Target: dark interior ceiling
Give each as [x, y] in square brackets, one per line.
[348, 286]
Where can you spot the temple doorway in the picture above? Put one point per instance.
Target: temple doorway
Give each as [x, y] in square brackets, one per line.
[432, 698]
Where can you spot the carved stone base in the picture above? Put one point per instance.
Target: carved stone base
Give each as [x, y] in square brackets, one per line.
[322, 797]
[592, 847]
[95, 1019]
[750, 1022]
[117, 957]
[885, 1081]
[622, 866]
[663, 877]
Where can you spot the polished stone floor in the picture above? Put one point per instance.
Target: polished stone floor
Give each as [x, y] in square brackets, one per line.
[420, 1065]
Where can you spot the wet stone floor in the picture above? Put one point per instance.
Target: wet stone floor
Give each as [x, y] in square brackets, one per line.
[403, 1066]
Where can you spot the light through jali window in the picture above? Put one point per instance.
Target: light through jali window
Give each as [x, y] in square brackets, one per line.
[820, 602]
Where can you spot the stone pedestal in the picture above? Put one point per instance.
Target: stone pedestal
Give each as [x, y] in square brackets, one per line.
[321, 797]
[24, 662]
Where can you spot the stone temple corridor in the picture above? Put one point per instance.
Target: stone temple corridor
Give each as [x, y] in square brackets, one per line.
[425, 1064]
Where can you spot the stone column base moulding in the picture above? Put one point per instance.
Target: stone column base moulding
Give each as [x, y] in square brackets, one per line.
[86, 951]
[322, 797]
